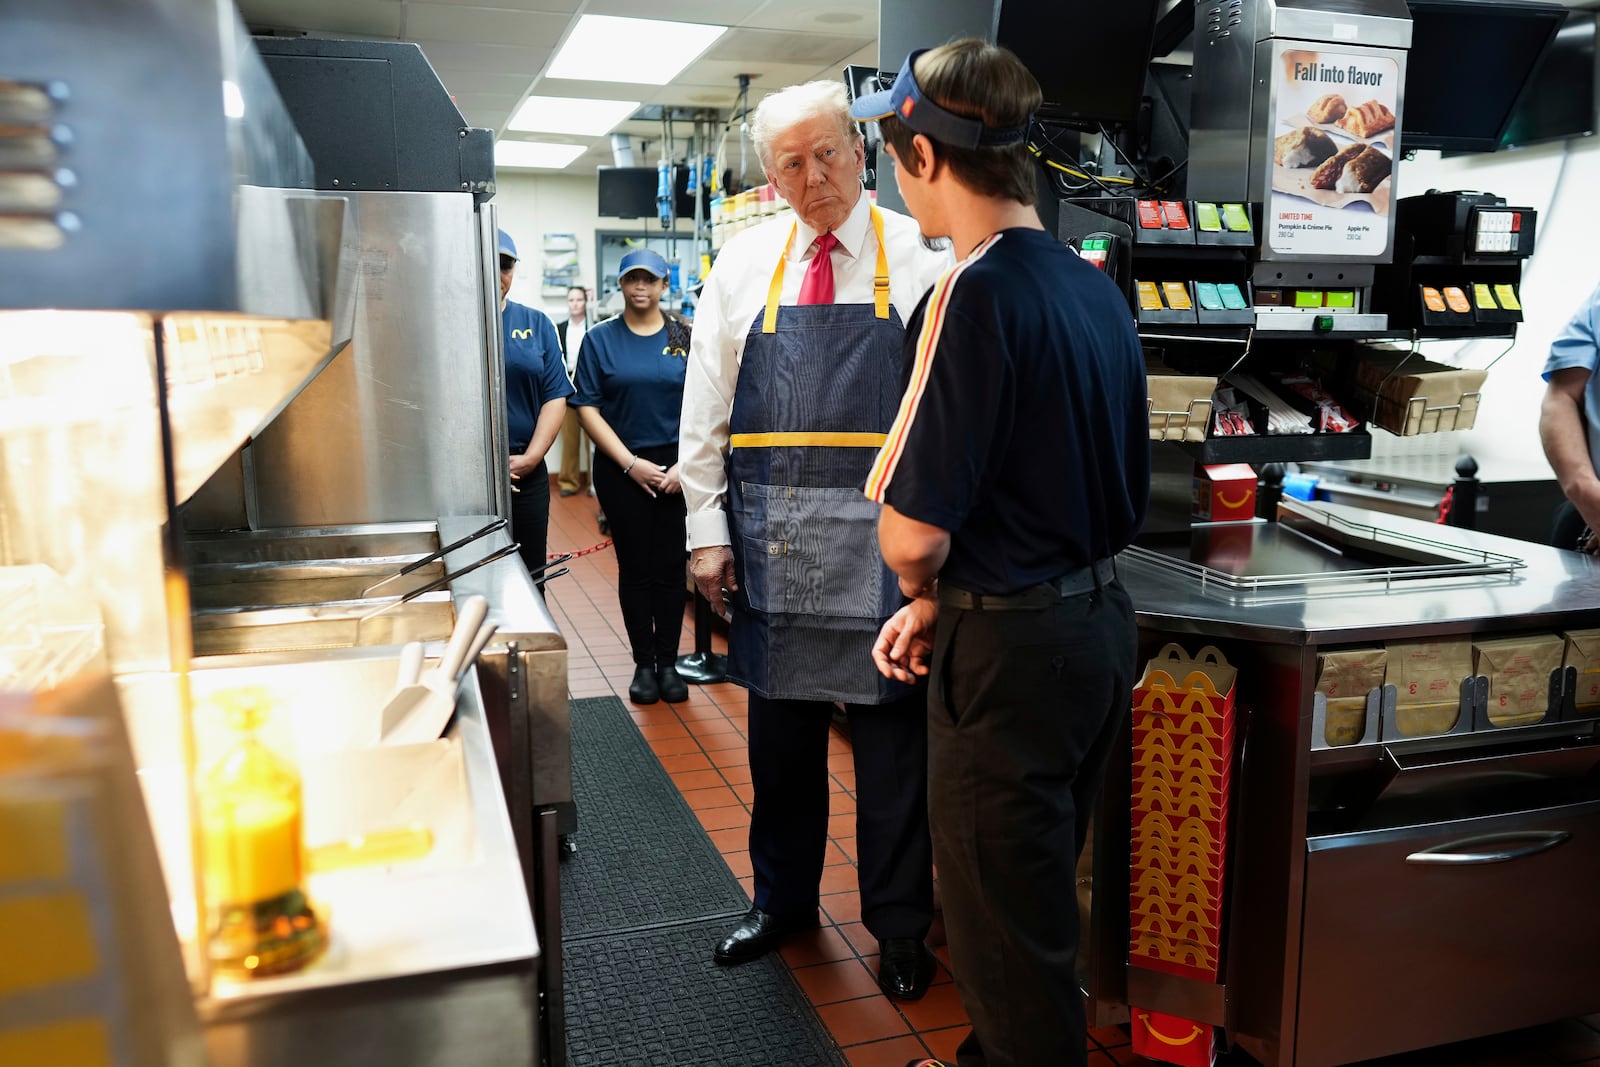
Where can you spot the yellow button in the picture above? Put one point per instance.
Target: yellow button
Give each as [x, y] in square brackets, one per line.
[1149, 297]
[78, 1043]
[33, 842]
[48, 941]
[1177, 295]
[1483, 298]
[1508, 297]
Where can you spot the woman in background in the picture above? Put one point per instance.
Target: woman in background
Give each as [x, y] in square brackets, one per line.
[630, 394]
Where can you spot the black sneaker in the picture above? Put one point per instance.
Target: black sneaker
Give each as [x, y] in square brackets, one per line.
[644, 689]
[674, 690]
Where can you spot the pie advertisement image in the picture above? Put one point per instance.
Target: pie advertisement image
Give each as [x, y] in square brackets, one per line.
[1334, 127]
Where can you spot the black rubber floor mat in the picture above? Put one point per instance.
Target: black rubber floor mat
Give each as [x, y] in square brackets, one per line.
[656, 998]
[642, 858]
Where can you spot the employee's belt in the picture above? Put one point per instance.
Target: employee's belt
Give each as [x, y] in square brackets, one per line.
[1073, 583]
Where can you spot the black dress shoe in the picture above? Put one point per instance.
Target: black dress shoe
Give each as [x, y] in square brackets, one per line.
[905, 967]
[759, 933]
[674, 690]
[643, 689]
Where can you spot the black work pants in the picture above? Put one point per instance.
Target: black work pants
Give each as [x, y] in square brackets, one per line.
[649, 536]
[530, 517]
[789, 818]
[1024, 708]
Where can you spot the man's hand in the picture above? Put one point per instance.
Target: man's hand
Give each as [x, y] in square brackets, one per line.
[906, 641]
[712, 570]
[1585, 496]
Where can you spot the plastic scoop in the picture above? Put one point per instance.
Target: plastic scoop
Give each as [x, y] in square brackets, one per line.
[418, 713]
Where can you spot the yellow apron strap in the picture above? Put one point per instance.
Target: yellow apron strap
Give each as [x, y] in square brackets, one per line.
[769, 321]
[808, 439]
[880, 280]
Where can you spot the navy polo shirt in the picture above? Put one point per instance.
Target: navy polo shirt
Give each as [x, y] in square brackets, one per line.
[636, 382]
[1023, 428]
[535, 373]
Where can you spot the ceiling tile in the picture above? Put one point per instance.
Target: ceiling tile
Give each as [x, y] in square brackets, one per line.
[477, 81]
[491, 59]
[802, 48]
[817, 16]
[560, 7]
[477, 25]
[479, 103]
[355, 18]
[711, 12]
[770, 76]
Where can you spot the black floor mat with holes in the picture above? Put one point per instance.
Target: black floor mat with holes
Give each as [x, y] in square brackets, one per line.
[642, 858]
[656, 998]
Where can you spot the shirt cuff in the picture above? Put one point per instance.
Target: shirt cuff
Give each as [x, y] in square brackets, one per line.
[707, 529]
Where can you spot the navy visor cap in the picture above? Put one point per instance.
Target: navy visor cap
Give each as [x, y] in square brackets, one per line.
[905, 101]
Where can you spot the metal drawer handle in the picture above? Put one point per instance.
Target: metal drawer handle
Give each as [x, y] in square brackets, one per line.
[1539, 841]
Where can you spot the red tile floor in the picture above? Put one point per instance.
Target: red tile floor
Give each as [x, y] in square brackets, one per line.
[701, 744]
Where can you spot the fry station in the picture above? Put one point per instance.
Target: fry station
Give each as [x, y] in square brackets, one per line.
[255, 578]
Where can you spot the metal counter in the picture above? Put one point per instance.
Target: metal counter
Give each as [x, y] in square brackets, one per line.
[427, 963]
[1339, 944]
[1552, 585]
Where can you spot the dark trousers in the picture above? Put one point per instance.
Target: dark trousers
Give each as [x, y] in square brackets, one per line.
[789, 819]
[649, 536]
[530, 517]
[1024, 708]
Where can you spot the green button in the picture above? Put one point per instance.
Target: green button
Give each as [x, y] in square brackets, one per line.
[1305, 298]
[1098, 245]
[1324, 323]
[1237, 219]
[1343, 298]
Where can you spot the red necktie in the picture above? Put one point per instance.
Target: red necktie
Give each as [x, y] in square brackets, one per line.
[817, 286]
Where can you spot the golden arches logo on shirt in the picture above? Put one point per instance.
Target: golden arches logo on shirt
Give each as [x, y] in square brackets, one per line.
[521, 335]
[675, 351]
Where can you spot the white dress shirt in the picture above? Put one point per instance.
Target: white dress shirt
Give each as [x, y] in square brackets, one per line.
[576, 328]
[735, 294]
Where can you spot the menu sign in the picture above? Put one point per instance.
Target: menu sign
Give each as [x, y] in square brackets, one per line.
[1334, 126]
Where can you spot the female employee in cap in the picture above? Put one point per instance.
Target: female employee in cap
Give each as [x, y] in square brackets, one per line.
[536, 392]
[630, 392]
[1017, 467]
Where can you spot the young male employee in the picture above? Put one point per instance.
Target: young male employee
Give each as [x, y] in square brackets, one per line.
[1018, 466]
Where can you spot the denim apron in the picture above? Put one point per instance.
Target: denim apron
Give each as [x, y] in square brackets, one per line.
[818, 389]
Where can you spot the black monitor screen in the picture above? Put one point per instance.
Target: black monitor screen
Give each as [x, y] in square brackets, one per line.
[1089, 56]
[627, 192]
[1468, 65]
[1560, 100]
[630, 193]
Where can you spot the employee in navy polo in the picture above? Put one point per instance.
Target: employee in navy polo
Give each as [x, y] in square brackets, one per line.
[536, 392]
[1018, 466]
[630, 394]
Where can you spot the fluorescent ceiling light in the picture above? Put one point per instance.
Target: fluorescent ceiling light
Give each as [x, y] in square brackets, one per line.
[536, 154]
[560, 114]
[643, 51]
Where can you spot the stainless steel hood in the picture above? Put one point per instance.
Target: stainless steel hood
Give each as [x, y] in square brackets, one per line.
[147, 165]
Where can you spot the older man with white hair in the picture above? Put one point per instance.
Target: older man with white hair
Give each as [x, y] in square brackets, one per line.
[795, 375]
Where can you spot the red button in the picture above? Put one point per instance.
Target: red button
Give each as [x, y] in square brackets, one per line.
[1516, 222]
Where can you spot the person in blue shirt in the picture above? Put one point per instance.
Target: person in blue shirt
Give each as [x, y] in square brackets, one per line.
[536, 392]
[1569, 426]
[1017, 468]
[630, 395]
